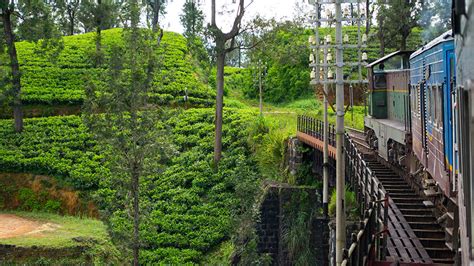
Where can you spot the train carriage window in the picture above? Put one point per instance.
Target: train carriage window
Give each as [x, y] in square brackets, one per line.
[439, 105]
[433, 104]
[429, 103]
[380, 81]
[417, 104]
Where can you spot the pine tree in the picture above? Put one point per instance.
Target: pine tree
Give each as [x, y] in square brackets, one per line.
[192, 19]
[120, 117]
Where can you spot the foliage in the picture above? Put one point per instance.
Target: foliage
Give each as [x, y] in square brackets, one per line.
[192, 19]
[350, 203]
[286, 52]
[136, 142]
[235, 79]
[398, 20]
[63, 82]
[297, 224]
[90, 12]
[192, 208]
[55, 146]
[435, 18]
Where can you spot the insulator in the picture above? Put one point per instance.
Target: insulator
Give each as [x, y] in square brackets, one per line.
[313, 74]
[328, 38]
[346, 38]
[364, 56]
[311, 58]
[329, 13]
[364, 38]
[311, 39]
[329, 57]
[346, 12]
[330, 74]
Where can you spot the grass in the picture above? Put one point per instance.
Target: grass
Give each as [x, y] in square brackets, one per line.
[70, 227]
[287, 113]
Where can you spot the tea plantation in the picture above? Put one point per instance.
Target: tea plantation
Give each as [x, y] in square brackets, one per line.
[61, 80]
[188, 205]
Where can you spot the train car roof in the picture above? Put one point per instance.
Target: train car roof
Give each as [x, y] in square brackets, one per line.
[447, 36]
[385, 58]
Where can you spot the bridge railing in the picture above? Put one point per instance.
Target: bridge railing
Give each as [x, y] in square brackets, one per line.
[370, 194]
[315, 128]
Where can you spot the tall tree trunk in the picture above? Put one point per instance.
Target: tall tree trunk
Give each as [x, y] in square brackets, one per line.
[220, 61]
[403, 43]
[368, 18]
[16, 84]
[381, 36]
[71, 21]
[136, 217]
[352, 14]
[98, 37]
[156, 15]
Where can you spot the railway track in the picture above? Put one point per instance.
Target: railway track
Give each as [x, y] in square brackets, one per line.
[415, 235]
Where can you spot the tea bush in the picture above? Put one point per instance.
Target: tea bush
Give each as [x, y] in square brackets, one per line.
[188, 208]
[63, 81]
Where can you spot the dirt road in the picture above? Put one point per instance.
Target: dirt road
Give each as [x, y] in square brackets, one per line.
[14, 226]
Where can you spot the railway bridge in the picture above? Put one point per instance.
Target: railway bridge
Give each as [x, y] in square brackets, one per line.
[398, 226]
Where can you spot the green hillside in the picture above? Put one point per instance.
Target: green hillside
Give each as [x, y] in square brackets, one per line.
[63, 81]
[189, 205]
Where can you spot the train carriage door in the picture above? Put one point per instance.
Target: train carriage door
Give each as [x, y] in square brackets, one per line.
[451, 146]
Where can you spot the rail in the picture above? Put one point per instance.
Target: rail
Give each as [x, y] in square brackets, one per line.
[370, 194]
[315, 128]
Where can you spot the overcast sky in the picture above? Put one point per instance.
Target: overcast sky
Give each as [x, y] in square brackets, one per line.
[279, 9]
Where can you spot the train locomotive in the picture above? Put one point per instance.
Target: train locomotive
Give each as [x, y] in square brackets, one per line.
[410, 121]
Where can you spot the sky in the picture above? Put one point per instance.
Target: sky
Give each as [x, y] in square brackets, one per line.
[279, 9]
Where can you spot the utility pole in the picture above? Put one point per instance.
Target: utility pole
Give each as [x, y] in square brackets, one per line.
[339, 65]
[340, 184]
[325, 137]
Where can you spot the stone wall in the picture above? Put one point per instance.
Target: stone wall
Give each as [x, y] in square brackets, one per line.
[273, 210]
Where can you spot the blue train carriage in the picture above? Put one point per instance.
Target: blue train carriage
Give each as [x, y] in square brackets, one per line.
[432, 78]
[387, 125]
[463, 19]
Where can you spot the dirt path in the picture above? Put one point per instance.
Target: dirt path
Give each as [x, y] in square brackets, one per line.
[14, 226]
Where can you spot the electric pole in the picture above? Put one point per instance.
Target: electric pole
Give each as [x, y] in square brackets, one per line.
[339, 65]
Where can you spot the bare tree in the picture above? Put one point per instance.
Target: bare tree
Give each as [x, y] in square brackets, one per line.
[221, 39]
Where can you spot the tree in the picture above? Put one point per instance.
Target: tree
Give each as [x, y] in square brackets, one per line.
[154, 10]
[435, 18]
[192, 19]
[126, 123]
[7, 9]
[106, 11]
[67, 12]
[220, 40]
[98, 15]
[35, 24]
[398, 18]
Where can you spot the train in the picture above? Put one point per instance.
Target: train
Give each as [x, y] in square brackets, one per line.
[463, 21]
[421, 119]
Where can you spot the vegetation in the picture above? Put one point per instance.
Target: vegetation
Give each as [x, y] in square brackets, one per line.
[190, 206]
[173, 186]
[63, 82]
[352, 207]
[286, 58]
